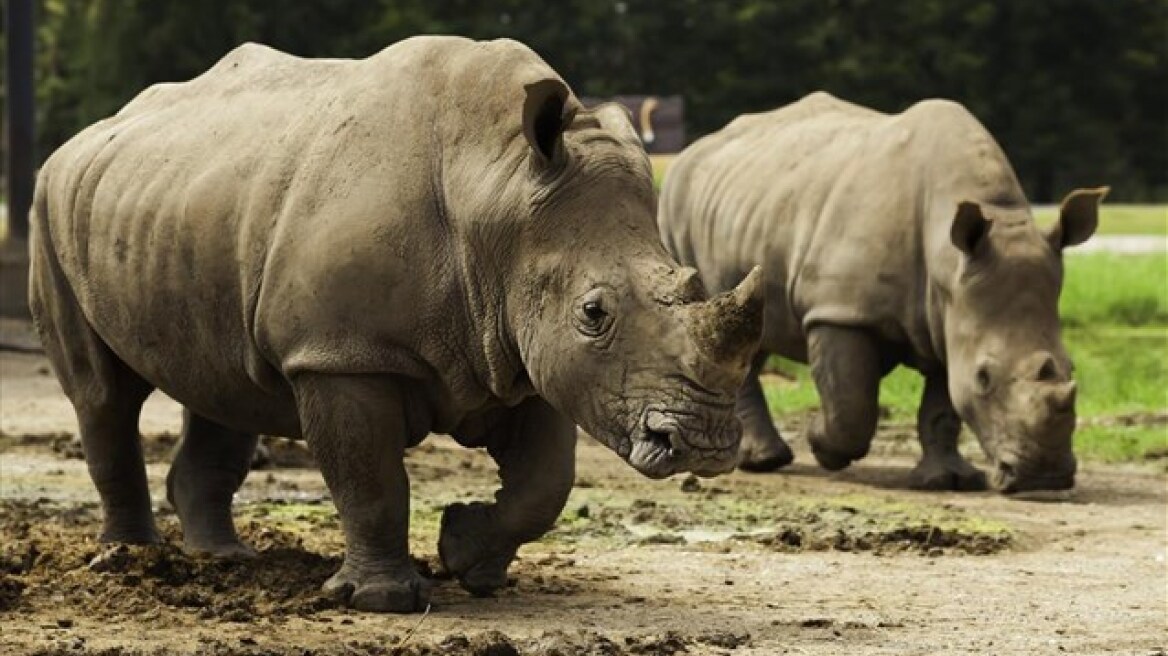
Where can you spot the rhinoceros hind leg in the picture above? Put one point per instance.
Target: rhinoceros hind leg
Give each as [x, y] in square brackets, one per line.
[107, 397]
[941, 467]
[357, 429]
[763, 449]
[535, 448]
[847, 366]
[210, 465]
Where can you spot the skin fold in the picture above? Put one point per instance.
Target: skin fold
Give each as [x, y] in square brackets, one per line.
[890, 240]
[437, 238]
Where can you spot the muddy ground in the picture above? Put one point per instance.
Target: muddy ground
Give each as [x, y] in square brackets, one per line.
[801, 563]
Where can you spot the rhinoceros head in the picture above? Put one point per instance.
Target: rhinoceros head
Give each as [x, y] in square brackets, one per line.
[1009, 374]
[611, 330]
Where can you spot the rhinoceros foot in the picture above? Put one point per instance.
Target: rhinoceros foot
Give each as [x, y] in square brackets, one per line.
[397, 590]
[131, 534]
[225, 550]
[472, 549]
[763, 454]
[834, 452]
[949, 473]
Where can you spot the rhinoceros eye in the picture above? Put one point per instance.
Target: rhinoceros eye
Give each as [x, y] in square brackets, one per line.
[593, 312]
[983, 378]
[592, 316]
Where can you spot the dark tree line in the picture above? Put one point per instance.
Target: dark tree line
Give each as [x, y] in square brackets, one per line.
[1075, 90]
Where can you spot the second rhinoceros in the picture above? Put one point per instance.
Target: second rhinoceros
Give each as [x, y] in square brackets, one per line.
[889, 240]
[437, 238]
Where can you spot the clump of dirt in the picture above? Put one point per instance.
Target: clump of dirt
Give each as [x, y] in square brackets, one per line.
[272, 452]
[851, 523]
[51, 553]
[67, 446]
[486, 643]
[10, 590]
[927, 539]
[881, 528]
[591, 643]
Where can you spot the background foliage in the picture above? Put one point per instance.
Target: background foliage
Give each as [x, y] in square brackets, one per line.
[1075, 90]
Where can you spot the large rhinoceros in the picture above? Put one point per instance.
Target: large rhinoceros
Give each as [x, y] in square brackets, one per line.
[433, 239]
[890, 240]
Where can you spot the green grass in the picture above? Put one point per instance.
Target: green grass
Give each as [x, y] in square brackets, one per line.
[1112, 289]
[1119, 443]
[1119, 219]
[1120, 371]
[660, 164]
[795, 393]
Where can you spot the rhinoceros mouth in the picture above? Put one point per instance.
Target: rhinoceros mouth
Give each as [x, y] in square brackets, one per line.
[1008, 479]
[662, 446]
[1012, 473]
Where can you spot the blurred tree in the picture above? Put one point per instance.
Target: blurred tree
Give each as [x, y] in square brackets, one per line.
[1075, 90]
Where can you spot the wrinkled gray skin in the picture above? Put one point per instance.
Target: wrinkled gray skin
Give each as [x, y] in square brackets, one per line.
[889, 240]
[361, 252]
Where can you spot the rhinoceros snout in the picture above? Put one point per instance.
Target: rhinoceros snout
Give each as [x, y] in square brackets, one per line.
[1011, 477]
[665, 445]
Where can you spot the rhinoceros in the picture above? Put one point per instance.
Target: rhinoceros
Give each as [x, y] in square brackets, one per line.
[890, 240]
[437, 238]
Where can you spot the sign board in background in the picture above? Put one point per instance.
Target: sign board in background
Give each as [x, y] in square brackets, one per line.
[660, 120]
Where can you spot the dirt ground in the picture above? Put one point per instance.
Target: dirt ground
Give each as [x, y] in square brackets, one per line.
[800, 563]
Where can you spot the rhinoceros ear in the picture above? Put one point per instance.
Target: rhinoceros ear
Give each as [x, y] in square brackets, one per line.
[545, 117]
[969, 227]
[1078, 217]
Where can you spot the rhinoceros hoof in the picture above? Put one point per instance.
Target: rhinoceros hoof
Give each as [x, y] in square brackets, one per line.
[400, 591]
[471, 549]
[231, 549]
[832, 453]
[131, 535]
[948, 474]
[757, 455]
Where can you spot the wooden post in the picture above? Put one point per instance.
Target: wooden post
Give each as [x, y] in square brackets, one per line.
[18, 24]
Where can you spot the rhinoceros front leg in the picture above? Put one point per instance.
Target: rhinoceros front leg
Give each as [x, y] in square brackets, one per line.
[941, 466]
[846, 366]
[535, 448]
[763, 449]
[210, 465]
[356, 428]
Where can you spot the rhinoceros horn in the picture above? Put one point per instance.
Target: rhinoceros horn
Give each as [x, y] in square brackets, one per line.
[729, 326]
[1061, 396]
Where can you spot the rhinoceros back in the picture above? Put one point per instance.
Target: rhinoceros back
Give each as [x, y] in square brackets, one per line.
[272, 215]
[832, 200]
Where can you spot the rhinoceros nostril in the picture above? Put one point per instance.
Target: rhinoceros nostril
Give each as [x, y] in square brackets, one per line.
[660, 440]
[1047, 372]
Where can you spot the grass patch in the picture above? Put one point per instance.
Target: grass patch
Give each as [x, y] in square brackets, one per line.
[660, 165]
[1119, 371]
[792, 391]
[893, 513]
[1121, 443]
[1118, 219]
[792, 523]
[1112, 289]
